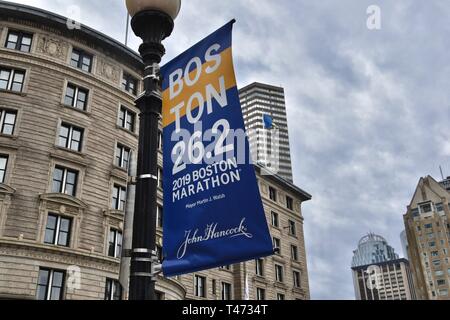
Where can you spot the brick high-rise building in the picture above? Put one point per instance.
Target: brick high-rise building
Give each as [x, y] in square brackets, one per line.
[428, 233]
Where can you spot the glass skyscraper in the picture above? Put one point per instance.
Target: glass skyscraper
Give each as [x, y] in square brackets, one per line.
[373, 249]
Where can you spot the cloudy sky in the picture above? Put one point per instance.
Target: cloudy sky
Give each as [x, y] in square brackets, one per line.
[368, 109]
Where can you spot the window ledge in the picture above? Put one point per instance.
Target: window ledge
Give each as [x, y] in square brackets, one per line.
[22, 94]
[127, 131]
[78, 153]
[9, 136]
[278, 258]
[119, 173]
[115, 214]
[67, 155]
[260, 279]
[280, 285]
[81, 70]
[85, 112]
[298, 290]
[225, 270]
[6, 189]
[9, 143]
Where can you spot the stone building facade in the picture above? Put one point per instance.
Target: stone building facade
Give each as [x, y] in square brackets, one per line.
[428, 237]
[68, 146]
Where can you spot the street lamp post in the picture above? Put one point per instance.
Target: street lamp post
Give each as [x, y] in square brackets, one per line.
[153, 21]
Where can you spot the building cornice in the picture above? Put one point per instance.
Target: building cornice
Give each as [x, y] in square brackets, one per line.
[12, 12]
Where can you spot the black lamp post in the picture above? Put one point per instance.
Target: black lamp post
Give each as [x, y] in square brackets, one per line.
[153, 21]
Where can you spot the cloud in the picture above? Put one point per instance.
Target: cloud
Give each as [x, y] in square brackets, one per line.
[369, 110]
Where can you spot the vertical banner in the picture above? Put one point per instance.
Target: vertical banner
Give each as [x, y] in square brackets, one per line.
[213, 210]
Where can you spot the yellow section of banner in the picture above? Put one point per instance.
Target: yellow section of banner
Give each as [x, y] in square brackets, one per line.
[224, 70]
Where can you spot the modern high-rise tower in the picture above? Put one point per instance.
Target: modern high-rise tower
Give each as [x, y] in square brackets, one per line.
[261, 101]
[378, 273]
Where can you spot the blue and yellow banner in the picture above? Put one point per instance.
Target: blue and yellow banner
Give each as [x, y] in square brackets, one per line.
[213, 210]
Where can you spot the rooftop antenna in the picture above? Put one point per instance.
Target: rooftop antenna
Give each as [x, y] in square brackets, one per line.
[126, 30]
[442, 173]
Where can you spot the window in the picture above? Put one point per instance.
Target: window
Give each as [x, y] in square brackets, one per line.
[435, 253]
[275, 219]
[127, 119]
[439, 273]
[214, 286]
[294, 253]
[160, 178]
[200, 289]
[159, 253]
[432, 244]
[443, 292]
[437, 263]
[297, 279]
[277, 244]
[7, 121]
[281, 297]
[259, 267]
[226, 291]
[123, 157]
[292, 228]
[129, 84]
[415, 212]
[50, 284]
[65, 181]
[429, 226]
[439, 207]
[119, 198]
[70, 137]
[115, 243]
[160, 139]
[57, 231]
[279, 273]
[81, 60]
[425, 208]
[3, 167]
[11, 80]
[113, 290]
[289, 203]
[76, 97]
[19, 41]
[441, 282]
[260, 294]
[273, 194]
[159, 216]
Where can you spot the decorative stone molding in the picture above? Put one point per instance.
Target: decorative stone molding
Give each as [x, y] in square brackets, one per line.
[6, 193]
[64, 205]
[119, 174]
[108, 71]
[173, 290]
[52, 47]
[6, 190]
[63, 199]
[57, 255]
[114, 217]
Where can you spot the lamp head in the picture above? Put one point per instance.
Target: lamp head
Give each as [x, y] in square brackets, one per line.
[169, 7]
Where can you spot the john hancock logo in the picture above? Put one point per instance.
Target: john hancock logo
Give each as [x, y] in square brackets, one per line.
[211, 233]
